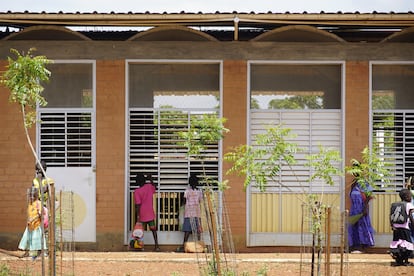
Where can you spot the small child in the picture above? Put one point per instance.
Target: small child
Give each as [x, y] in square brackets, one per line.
[144, 206]
[192, 212]
[32, 237]
[401, 246]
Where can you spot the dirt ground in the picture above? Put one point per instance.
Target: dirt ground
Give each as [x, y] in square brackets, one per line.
[183, 264]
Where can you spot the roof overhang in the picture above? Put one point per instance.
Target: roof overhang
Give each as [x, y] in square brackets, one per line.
[358, 20]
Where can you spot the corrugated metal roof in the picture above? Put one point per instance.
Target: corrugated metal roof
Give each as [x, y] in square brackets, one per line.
[243, 19]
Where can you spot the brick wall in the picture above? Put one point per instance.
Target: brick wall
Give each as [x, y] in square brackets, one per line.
[235, 111]
[17, 161]
[110, 150]
[356, 113]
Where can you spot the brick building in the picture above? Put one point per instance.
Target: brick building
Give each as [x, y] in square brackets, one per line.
[116, 96]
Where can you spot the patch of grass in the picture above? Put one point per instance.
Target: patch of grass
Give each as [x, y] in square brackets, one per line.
[4, 270]
[262, 271]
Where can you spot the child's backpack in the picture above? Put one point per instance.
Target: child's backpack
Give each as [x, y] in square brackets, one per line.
[398, 213]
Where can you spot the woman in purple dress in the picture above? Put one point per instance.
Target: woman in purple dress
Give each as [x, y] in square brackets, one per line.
[360, 231]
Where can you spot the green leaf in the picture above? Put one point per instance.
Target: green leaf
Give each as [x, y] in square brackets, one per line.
[23, 78]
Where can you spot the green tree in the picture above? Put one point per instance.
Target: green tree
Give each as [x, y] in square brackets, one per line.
[297, 102]
[23, 78]
[372, 169]
[254, 104]
[383, 102]
[205, 130]
[263, 161]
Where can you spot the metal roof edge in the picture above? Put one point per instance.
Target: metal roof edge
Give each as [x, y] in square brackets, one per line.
[207, 19]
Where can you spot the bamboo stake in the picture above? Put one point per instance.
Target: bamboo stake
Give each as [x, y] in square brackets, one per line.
[328, 241]
[343, 239]
[52, 249]
[214, 226]
[302, 242]
[60, 232]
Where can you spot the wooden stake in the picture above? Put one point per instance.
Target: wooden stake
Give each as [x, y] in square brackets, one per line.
[328, 242]
[216, 251]
[52, 241]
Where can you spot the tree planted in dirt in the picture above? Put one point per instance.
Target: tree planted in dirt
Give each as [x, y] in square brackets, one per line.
[263, 160]
[23, 77]
[324, 165]
[206, 130]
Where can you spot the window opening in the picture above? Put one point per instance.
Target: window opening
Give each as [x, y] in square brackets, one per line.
[393, 121]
